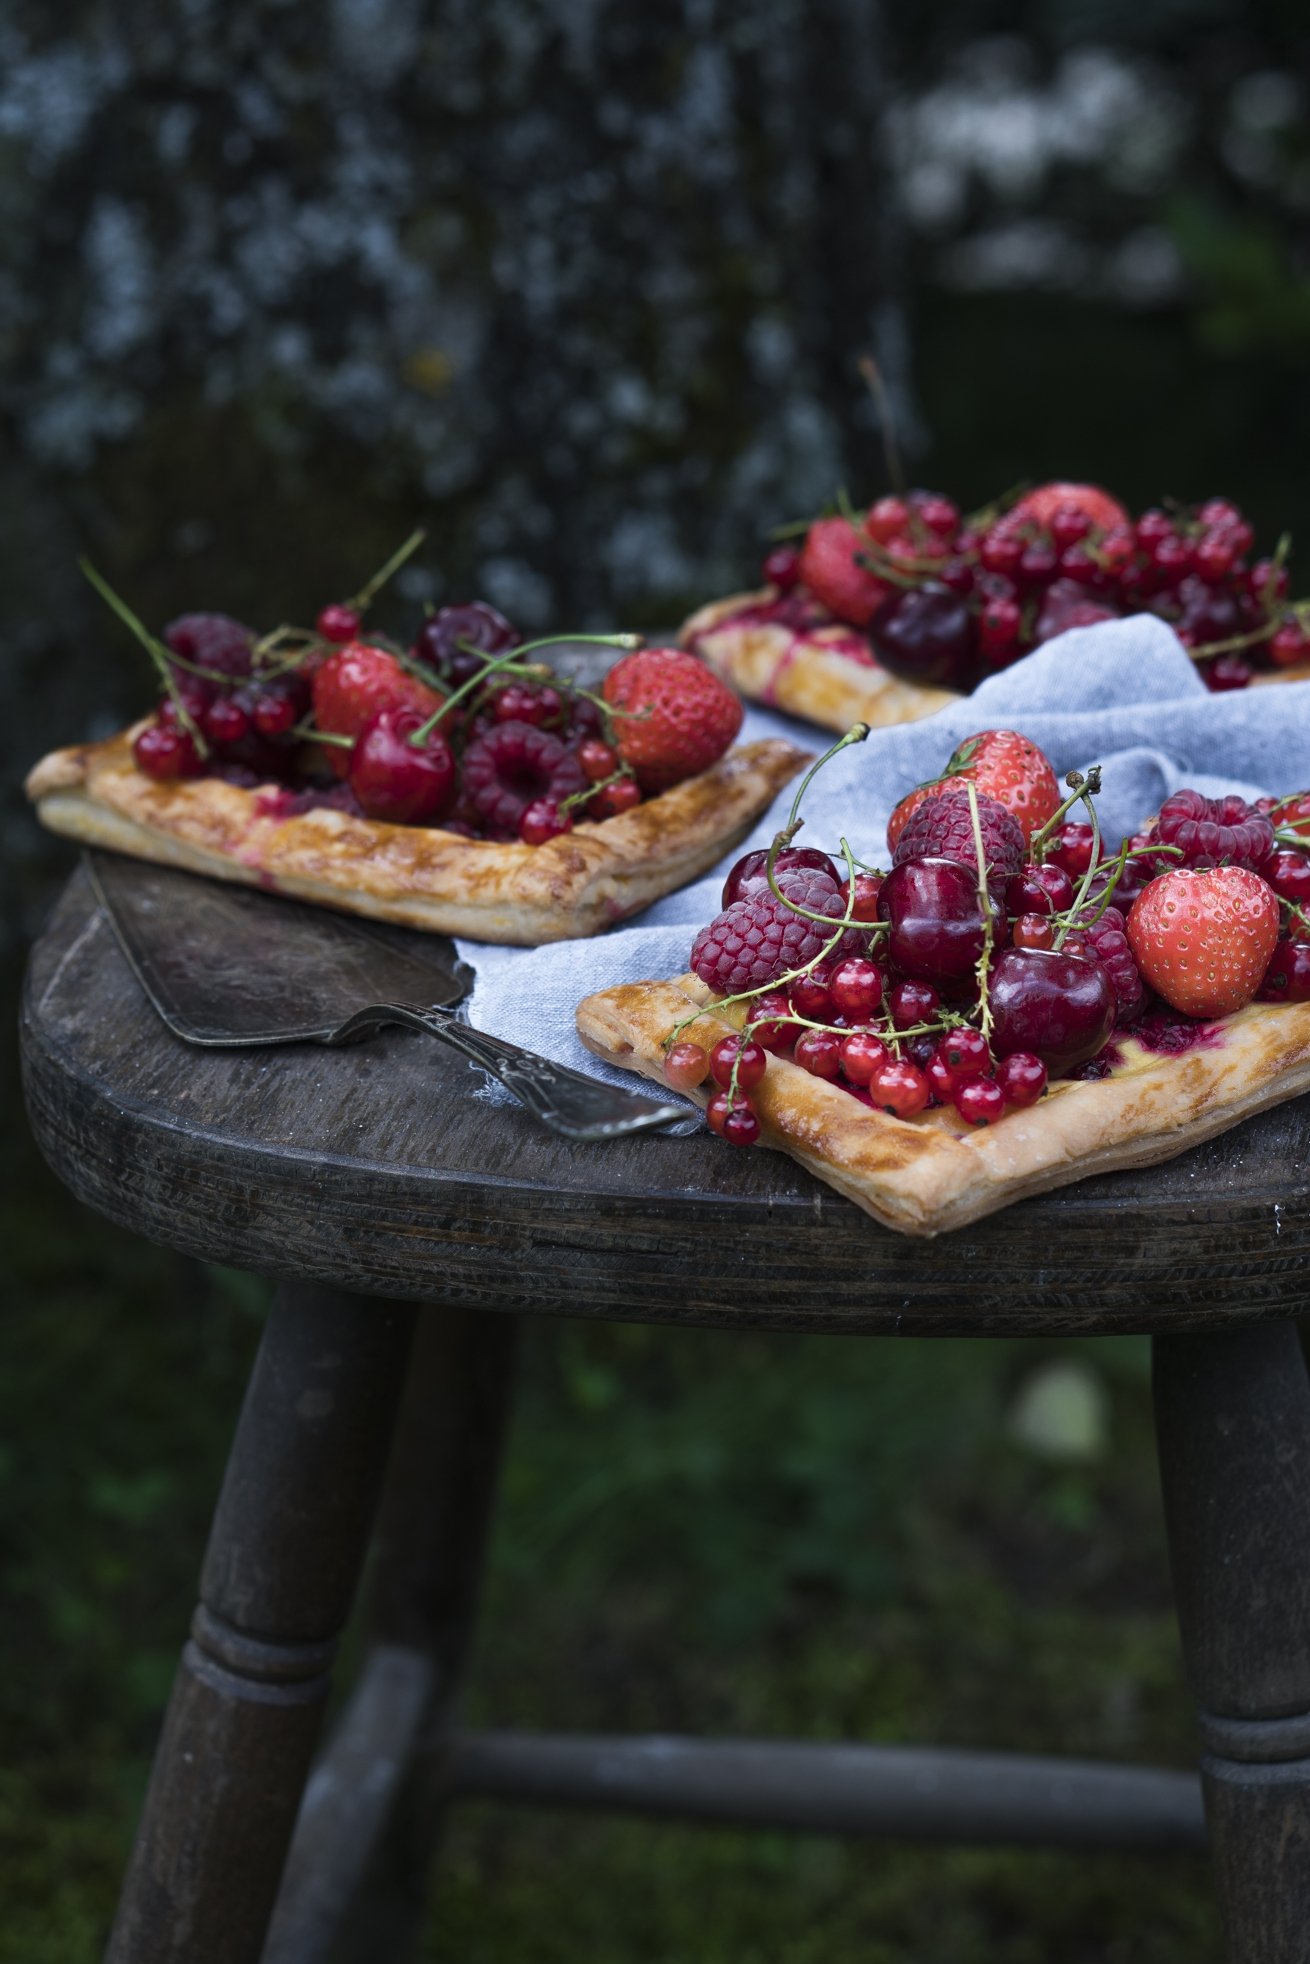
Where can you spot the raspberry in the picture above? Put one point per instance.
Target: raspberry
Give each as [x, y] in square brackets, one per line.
[1215, 831]
[758, 939]
[213, 641]
[512, 766]
[942, 828]
[1106, 942]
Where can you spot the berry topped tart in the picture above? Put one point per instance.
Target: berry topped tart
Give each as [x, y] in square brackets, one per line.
[1003, 1007]
[886, 615]
[458, 784]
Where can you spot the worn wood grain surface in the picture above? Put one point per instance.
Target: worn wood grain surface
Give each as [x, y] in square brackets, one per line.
[380, 1169]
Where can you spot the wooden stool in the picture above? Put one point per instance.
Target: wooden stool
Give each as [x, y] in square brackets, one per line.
[375, 1178]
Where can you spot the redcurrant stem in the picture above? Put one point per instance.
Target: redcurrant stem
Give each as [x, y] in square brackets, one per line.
[1080, 786]
[1084, 885]
[581, 797]
[1290, 835]
[795, 528]
[986, 515]
[513, 657]
[871, 375]
[159, 655]
[1298, 914]
[985, 903]
[1207, 649]
[370, 590]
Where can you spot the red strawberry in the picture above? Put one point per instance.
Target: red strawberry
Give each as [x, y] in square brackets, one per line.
[1007, 766]
[830, 569]
[1042, 504]
[1203, 940]
[681, 717]
[354, 684]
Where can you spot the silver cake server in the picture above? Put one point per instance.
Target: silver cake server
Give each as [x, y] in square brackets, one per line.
[228, 965]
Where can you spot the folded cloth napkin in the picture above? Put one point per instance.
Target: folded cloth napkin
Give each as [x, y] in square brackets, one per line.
[1122, 694]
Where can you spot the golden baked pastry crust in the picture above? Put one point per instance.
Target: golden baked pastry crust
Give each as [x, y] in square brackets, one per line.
[922, 1176]
[415, 875]
[805, 674]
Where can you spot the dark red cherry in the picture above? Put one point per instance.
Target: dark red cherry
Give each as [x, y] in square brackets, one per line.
[445, 638]
[402, 782]
[748, 875]
[925, 634]
[912, 1002]
[1054, 1006]
[937, 927]
[1287, 978]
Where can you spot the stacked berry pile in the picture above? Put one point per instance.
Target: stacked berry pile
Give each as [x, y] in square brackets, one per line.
[946, 599]
[1003, 946]
[464, 730]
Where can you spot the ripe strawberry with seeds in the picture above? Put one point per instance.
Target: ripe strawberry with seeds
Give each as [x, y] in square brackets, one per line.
[1006, 766]
[830, 567]
[1203, 940]
[1042, 504]
[678, 718]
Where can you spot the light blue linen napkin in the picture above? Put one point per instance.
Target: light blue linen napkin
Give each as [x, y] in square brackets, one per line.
[1122, 694]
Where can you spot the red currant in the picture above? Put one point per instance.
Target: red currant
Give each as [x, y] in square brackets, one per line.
[597, 759]
[772, 1024]
[887, 518]
[810, 995]
[863, 1053]
[1022, 1078]
[1268, 581]
[1289, 876]
[225, 722]
[543, 820]
[733, 1119]
[1000, 552]
[746, 1055]
[1038, 565]
[614, 799]
[856, 987]
[1213, 557]
[338, 623]
[940, 514]
[1172, 558]
[899, 1088]
[782, 568]
[819, 1052]
[274, 713]
[1289, 645]
[1226, 672]
[685, 1066]
[965, 1053]
[1155, 525]
[165, 751]
[1219, 511]
[979, 1100]
[518, 703]
[1287, 978]
[1069, 524]
[940, 1080]
[867, 888]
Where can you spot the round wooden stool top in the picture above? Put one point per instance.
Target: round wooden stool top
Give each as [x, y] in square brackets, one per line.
[381, 1169]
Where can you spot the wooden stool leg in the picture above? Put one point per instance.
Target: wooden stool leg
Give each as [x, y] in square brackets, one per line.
[356, 1878]
[1233, 1418]
[284, 1554]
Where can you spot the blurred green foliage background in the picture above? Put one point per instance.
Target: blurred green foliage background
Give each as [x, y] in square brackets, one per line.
[1076, 233]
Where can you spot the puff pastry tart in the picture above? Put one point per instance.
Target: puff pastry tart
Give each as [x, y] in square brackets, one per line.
[1008, 1008]
[419, 876]
[462, 786]
[935, 1172]
[884, 616]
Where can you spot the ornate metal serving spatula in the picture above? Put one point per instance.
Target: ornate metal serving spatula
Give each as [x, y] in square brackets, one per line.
[227, 965]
